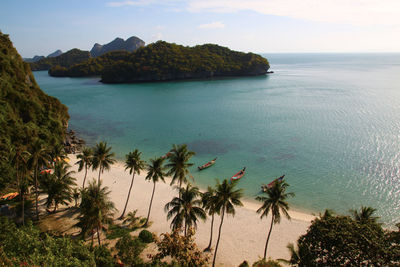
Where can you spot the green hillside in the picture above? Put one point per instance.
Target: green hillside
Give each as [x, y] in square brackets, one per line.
[26, 112]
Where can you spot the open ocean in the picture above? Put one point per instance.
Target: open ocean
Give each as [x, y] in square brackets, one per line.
[329, 122]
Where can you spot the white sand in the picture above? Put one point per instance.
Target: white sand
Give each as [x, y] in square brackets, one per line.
[243, 236]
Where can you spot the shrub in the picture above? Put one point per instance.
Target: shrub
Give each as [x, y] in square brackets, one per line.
[146, 236]
[129, 250]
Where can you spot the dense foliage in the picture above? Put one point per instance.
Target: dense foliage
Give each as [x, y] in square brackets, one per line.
[26, 112]
[27, 246]
[163, 61]
[67, 59]
[344, 241]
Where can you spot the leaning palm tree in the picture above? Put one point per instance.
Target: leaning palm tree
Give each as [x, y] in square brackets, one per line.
[96, 209]
[85, 161]
[39, 156]
[274, 202]
[155, 173]
[102, 158]
[58, 186]
[365, 215]
[135, 164]
[209, 199]
[178, 164]
[185, 209]
[226, 198]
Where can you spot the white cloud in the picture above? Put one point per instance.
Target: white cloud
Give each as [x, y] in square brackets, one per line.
[355, 12]
[212, 25]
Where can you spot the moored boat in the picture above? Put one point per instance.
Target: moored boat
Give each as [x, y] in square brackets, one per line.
[271, 184]
[208, 164]
[238, 175]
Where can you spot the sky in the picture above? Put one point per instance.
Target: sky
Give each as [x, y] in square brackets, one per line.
[40, 27]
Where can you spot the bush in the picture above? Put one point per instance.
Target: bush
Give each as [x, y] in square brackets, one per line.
[102, 256]
[146, 236]
[129, 250]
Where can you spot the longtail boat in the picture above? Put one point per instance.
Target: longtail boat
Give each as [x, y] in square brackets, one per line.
[271, 184]
[208, 164]
[238, 175]
[166, 155]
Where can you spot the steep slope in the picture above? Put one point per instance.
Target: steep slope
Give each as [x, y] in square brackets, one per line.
[26, 112]
[130, 45]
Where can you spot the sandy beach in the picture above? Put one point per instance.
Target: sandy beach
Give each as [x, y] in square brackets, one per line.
[243, 236]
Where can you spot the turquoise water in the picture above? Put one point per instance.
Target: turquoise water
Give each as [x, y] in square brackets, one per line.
[330, 122]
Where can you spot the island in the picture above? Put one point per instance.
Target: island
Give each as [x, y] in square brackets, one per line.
[163, 61]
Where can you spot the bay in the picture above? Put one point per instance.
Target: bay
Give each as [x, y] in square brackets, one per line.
[329, 122]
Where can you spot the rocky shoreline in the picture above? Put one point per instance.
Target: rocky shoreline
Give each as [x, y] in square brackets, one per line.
[73, 144]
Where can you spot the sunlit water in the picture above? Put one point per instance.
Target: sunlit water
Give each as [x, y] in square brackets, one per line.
[330, 122]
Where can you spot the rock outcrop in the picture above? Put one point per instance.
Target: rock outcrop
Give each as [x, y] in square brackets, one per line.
[130, 45]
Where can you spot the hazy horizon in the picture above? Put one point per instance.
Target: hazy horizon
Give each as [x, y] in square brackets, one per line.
[284, 26]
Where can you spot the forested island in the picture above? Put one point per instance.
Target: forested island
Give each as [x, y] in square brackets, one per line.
[162, 61]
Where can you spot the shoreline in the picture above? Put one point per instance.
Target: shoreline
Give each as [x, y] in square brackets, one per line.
[243, 236]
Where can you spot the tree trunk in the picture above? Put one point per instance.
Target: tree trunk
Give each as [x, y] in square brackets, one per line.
[98, 179]
[98, 235]
[23, 208]
[219, 235]
[151, 201]
[36, 192]
[84, 179]
[185, 228]
[269, 233]
[212, 225]
[55, 208]
[127, 199]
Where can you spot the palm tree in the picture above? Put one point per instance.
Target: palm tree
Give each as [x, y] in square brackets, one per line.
[155, 173]
[24, 173]
[365, 215]
[96, 209]
[85, 161]
[39, 156]
[296, 256]
[209, 199]
[274, 202]
[58, 185]
[178, 164]
[227, 197]
[186, 209]
[102, 158]
[57, 152]
[132, 220]
[76, 194]
[134, 163]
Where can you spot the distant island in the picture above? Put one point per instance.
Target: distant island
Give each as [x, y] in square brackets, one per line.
[162, 61]
[75, 56]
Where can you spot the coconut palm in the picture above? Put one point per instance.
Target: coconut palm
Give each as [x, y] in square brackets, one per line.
[24, 175]
[57, 152]
[274, 202]
[185, 209]
[85, 161]
[102, 158]
[155, 173]
[135, 164]
[132, 220]
[227, 197]
[365, 215]
[296, 256]
[209, 199]
[76, 194]
[39, 156]
[96, 209]
[58, 186]
[178, 164]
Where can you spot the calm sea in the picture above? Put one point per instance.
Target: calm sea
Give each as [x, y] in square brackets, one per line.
[329, 122]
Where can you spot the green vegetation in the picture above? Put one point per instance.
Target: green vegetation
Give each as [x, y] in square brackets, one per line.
[102, 158]
[345, 241]
[274, 202]
[178, 164]
[146, 236]
[85, 161]
[27, 114]
[185, 209]
[208, 199]
[135, 164]
[162, 61]
[226, 198]
[65, 60]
